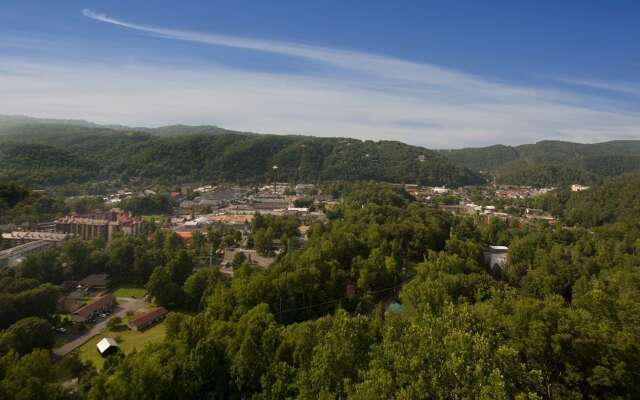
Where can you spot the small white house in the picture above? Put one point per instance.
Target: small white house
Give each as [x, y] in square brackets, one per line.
[107, 346]
[578, 188]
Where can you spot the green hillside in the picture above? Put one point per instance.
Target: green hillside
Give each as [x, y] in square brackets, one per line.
[58, 153]
[616, 200]
[551, 163]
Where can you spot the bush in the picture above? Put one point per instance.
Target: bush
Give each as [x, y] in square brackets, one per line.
[115, 324]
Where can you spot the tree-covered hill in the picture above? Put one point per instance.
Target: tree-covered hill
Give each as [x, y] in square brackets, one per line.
[58, 153]
[616, 200]
[552, 163]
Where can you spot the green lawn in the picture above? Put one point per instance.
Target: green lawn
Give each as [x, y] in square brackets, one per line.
[130, 340]
[127, 290]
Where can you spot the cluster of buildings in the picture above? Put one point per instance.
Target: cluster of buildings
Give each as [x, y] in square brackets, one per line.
[235, 206]
[209, 197]
[116, 198]
[100, 224]
[87, 298]
[270, 197]
[486, 213]
[520, 192]
[426, 192]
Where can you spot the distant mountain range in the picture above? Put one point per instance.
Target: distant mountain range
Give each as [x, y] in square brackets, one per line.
[56, 152]
[551, 163]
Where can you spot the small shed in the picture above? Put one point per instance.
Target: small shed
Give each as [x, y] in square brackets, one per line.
[107, 346]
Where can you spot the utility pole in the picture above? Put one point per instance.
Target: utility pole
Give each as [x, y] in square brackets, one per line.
[275, 179]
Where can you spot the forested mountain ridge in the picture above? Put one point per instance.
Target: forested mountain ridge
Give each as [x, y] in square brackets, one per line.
[551, 163]
[616, 200]
[57, 153]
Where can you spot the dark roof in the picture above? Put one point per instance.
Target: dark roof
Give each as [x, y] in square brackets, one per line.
[101, 303]
[145, 319]
[95, 280]
[69, 304]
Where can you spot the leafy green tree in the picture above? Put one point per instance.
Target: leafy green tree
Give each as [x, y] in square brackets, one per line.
[252, 348]
[44, 266]
[263, 241]
[121, 252]
[197, 285]
[180, 266]
[30, 377]
[163, 288]
[238, 259]
[27, 334]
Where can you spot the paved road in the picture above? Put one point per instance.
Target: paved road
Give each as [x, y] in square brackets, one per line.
[120, 311]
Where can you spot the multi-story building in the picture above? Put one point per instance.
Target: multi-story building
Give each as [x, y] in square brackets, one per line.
[102, 225]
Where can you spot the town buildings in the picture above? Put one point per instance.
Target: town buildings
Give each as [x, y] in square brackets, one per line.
[100, 225]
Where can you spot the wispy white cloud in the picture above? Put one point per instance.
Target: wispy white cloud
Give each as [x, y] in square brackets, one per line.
[380, 98]
[394, 70]
[620, 87]
[277, 103]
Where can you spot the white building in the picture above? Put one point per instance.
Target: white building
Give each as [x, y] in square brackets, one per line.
[440, 189]
[578, 188]
[496, 257]
[107, 346]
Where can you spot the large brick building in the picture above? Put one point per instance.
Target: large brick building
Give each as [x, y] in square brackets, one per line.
[100, 224]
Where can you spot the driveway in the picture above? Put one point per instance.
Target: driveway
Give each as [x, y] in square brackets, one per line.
[120, 311]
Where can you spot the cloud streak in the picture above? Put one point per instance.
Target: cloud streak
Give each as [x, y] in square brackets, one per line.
[377, 97]
[625, 88]
[397, 72]
[277, 103]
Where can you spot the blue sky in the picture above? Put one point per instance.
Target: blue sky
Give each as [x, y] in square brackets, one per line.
[438, 74]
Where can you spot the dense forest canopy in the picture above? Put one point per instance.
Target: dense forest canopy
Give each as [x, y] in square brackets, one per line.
[561, 322]
[551, 163]
[57, 153]
[617, 200]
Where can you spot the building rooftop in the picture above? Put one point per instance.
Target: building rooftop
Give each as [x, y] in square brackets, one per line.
[105, 344]
[144, 319]
[499, 248]
[95, 280]
[25, 235]
[101, 303]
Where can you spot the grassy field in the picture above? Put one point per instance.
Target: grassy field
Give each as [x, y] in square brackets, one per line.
[130, 291]
[130, 340]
